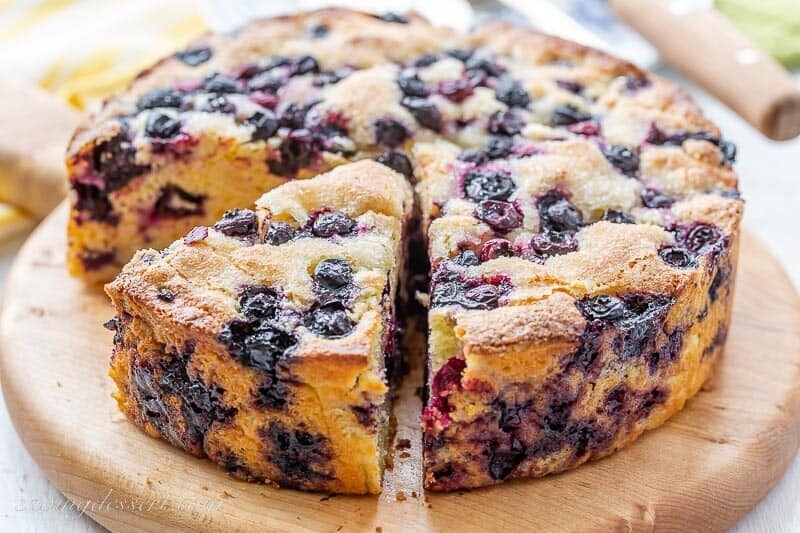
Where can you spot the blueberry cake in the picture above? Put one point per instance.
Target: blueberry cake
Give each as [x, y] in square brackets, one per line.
[574, 239]
[266, 341]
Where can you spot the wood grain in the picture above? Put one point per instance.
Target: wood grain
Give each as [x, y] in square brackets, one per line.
[704, 469]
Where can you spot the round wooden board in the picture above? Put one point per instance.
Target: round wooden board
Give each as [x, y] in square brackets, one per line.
[704, 469]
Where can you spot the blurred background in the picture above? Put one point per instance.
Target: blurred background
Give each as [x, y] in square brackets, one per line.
[740, 59]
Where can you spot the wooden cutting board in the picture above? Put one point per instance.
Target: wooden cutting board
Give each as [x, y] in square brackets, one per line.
[704, 469]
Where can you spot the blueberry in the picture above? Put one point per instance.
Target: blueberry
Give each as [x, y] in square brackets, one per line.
[448, 377]
[332, 223]
[265, 125]
[329, 77]
[678, 257]
[293, 116]
[494, 248]
[617, 217]
[503, 463]
[615, 400]
[484, 295]
[483, 184]
[318, 31]
[303, 65]
[332, 274]
[397, 161]
[457, 90]
[392, 17]
[174, 202]
[548, 244]
[267, 81]
[424, 111]
[195, 56]
[162, 126]
[483, 64]
[636, 82]
[165, 295]
[728, 150]
[500, 216]
[259, 303]
[512, 93]
[473, 155]
[160, 98]
[256, 344]
[266, 346]
[558, 215]
[505, 123]
[602, 307]
[277, 61]
[564, 115]
[499, 146]
[656, 199]
[93, 203]
[329, 320]
[220, 84]
[115, 161]
[295, 152]
[237, 223]
[302, 459]
[390, 132]
[467, 258]
[622, 157]
[279, 233]
[411, 85]
[450, 289]
[571, 86]
[94, 260]
[702, 236]
[425, 60]
[460, 54]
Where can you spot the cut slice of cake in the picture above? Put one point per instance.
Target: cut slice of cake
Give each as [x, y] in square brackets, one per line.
[265, 341]
[582, 274]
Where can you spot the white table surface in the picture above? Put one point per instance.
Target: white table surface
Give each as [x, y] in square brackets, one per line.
[770, 181]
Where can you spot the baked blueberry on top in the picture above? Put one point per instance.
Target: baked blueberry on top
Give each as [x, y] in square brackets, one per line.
[580, 219]
[253, 353]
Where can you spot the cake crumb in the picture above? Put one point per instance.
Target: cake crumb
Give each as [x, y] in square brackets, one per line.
[149, 482]
[400, 496]
[226, 494]
[403, 444]
[204, 487]
[404, 455]
[414, 494]
[378, 529]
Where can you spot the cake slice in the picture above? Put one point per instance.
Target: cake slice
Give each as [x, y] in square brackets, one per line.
[266, 341]
[582, 271]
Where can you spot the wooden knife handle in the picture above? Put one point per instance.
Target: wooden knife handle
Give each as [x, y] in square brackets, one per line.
[697, 40]
[34, 131]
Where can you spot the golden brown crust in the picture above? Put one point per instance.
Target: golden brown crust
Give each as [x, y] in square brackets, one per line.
[191, 365]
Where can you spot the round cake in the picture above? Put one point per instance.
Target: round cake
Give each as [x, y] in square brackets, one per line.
[573, 238]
